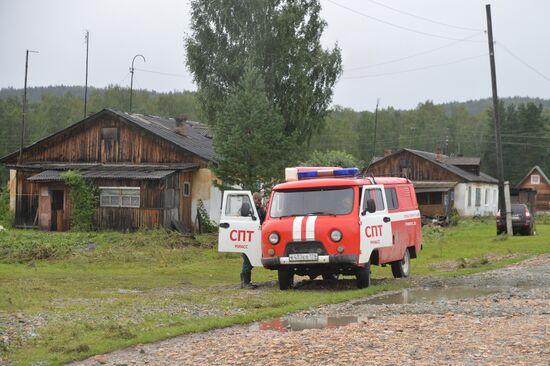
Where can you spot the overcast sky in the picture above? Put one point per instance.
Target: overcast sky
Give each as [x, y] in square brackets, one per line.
[441, 43]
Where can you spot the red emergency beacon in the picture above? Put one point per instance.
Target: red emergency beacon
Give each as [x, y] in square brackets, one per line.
[326, 222]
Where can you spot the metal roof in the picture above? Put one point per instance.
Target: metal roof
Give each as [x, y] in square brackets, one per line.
[418, 184]
[56, 175]
[462, 160]
[53, 165]
[432, 157]
[482, 177]
[189, 135]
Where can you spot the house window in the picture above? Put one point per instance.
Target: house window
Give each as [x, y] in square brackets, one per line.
[469, 196]
[435, 198]
[478, 197]
[109, 133]
[495, 200]
[486, 196]
[186, 189]
[119, 197]
[535, 179]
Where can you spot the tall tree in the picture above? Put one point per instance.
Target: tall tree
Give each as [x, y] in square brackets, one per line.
[249, 137]
[281, 39]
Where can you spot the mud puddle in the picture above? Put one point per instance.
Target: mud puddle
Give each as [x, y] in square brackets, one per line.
[405, 296]
[415, 296]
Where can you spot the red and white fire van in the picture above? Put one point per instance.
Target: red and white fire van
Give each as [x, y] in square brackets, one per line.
[326, 221]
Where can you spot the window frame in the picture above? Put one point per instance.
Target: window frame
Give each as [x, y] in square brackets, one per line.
[391, 198]
[478, 197]
[535, 181]
[109, 133]
[186, 189]
[120, 197]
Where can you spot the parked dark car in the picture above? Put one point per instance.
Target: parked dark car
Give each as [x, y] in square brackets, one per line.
[522, 220]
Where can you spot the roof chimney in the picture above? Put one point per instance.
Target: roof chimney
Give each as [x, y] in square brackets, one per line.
[181, 119]
[438, 154]
[387, 152]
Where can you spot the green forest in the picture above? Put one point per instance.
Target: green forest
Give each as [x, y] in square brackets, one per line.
[455, 128]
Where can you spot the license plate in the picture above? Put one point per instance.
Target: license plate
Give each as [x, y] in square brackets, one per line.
[515, 217]
[303, 257]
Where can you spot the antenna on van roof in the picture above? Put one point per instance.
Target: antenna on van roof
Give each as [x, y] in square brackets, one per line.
[371, 177]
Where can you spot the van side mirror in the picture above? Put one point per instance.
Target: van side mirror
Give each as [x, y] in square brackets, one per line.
[370, 208]
[371, 205]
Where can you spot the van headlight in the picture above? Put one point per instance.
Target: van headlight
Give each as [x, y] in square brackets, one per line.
[336, 235]
[273, 238]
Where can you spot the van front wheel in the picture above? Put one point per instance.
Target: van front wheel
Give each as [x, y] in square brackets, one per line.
[402, 268]
[286, 278]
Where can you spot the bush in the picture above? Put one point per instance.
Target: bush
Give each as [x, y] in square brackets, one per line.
[454, 217]
[206, 225]
[83, 201]
[6, 216]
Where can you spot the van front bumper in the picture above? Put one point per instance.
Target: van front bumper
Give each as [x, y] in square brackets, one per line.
[321, 259]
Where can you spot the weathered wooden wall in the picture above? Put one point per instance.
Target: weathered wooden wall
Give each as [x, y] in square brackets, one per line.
[85, 144]
[158, 204]
[413, 167]
[543, 191]
[161, 201]
[26, 197]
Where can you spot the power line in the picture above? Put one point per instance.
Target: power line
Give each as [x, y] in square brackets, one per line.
[124, 78]
[163, 73]
[396, 25]
[522, 61]
[422, 18]
[524, 136]
[415, 69]
[413, 55]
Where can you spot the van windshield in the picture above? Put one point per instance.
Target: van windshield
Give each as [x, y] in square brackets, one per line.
[336, 201]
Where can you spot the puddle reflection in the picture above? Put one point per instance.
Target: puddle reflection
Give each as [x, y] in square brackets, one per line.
[405, 296]
[415, 296]
[296, 323]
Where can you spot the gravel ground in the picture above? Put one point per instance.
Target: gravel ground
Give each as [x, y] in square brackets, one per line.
[508, 324]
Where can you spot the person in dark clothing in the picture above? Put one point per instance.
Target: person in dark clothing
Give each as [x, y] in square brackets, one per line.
[246, 273]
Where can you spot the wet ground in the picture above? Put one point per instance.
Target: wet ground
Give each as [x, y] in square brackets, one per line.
[496, 317]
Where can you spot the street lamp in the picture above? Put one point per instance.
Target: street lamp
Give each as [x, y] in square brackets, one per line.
[132, 78]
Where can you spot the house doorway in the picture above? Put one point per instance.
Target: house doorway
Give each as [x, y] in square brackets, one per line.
[57, 201]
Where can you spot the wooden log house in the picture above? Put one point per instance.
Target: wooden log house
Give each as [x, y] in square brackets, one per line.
[538, 183]
[150, 172]
[442, 182]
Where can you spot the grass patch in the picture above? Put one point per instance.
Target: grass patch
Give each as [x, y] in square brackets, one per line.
[66, 296]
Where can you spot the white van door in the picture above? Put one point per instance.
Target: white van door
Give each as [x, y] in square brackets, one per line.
[240, 229]
[376, 229]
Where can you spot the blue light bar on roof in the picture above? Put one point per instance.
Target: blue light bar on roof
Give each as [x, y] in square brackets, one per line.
[322, 173]
[346, 172]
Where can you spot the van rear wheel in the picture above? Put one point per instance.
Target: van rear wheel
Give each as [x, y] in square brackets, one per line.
[362, 275]
[402, 268]
[286, 278]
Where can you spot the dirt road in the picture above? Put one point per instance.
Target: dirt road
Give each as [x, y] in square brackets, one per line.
[497, 317]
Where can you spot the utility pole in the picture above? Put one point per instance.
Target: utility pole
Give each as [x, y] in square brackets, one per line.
[375, 125]
[132, 79]
[496, 120]
[24, 106]
[87, 38]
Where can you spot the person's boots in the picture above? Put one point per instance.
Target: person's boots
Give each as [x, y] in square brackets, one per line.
[245, 281]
